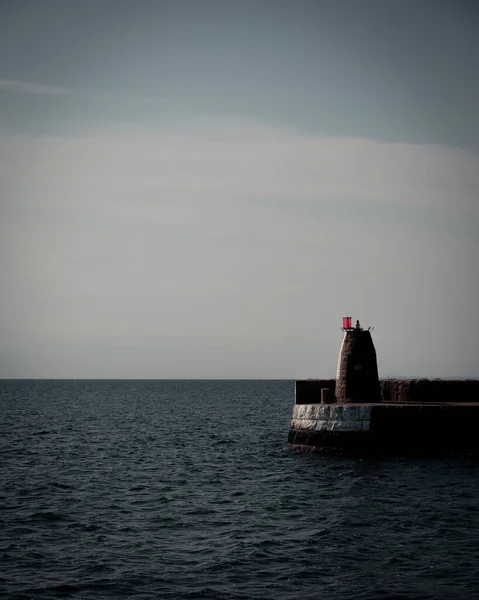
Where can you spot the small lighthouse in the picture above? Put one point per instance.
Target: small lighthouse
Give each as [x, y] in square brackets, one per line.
[357, 377]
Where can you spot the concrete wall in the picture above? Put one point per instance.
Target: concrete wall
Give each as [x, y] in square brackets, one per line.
[426, 390]
[308, 391]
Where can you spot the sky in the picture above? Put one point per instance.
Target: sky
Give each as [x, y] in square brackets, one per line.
[204, 188]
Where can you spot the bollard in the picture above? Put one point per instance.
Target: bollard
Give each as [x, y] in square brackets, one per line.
[327, 396]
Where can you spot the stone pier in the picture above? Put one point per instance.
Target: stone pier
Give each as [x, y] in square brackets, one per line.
[362, 414]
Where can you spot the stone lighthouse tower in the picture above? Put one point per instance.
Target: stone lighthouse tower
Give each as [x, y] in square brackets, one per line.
[357, 377]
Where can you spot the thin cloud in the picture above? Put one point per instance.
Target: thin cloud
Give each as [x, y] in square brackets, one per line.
[276, 167]
[39, 89]
[233, 236]
[29, 87]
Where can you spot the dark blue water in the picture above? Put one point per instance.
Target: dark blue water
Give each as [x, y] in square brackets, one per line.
[185, 489]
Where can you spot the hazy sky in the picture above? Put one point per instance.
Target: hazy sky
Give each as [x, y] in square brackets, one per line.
[203, 188]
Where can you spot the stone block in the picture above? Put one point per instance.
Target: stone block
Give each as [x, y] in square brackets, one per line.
[350, 413]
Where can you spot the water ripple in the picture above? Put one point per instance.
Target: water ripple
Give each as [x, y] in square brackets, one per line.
[176, 490]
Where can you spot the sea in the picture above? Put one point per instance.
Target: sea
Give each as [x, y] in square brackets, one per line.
[186, 490]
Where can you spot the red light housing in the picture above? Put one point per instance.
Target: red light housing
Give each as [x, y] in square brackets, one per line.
[347, 322]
